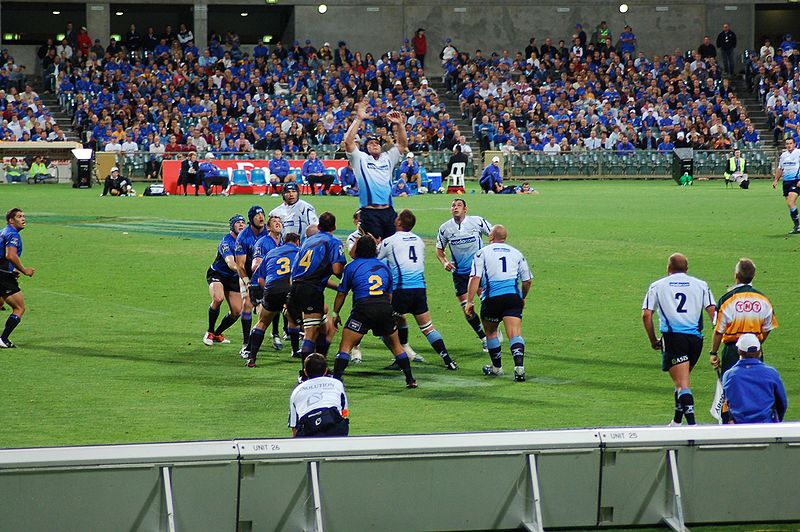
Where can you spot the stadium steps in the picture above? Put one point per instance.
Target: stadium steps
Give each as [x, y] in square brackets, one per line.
[61, 117]
[755, 111]
[451, 104]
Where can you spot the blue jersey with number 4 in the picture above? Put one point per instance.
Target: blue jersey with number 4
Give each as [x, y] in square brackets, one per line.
[404, 253]
[366, 278]
[315, 260]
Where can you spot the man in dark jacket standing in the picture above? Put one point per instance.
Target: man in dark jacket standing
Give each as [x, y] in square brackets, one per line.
[726, 41]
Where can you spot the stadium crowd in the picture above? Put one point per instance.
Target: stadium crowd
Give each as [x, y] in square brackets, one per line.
[158, 93]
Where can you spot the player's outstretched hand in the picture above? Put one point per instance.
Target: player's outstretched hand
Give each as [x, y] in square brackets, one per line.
[361, 111]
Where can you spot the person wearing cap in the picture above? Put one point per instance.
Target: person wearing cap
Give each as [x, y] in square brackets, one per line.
[313, 172]
[243, 252]
[409, 171]
[680, 300]
[223, 284]
[116, 185]
[753, 390]
[212, 175]
[491, 181]
[190, 174]
[743, 309]
[318, 406]
[373, 171]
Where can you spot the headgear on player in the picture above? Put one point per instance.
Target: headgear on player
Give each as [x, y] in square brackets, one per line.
[290, 187]
[234, 220]
[253, 211]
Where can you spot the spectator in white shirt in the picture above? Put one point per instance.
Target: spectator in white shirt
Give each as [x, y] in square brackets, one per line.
[551, 148]
[113, 146]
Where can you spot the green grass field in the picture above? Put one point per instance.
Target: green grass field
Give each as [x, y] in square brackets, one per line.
[110, 350]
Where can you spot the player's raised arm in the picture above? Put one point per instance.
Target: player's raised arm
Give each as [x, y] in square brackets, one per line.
[398, 120]
[355, 125]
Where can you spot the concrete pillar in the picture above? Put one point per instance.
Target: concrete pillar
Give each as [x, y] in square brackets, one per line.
[98, 22]
[200, 29]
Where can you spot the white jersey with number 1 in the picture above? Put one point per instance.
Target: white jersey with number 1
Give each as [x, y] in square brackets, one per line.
[500, 268]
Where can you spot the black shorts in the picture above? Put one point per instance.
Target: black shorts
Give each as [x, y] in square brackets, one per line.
[378, 222]
[375, 314]
[323, 422]
[8, 284]
[677, 348]
[256, 294]
[410, 301]
[461, 282]
[305, 298]
[790, 186]
[498, 307]
[274, 301]
[229, 284]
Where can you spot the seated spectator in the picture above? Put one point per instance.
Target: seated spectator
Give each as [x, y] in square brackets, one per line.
[38, 173]
[116, 185]
[736, 170]
[212, 175]
[189, 174]
[313, 172]
[491, 181]
[754, 390]
[156, 150]
[400, 189]
[409, 171]
[279, 169]
[13, 171]
[348, 180]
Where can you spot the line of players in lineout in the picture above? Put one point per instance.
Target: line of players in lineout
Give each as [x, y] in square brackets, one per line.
[281, 263]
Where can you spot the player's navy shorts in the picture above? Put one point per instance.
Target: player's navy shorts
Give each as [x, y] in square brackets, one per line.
[460, 281]
[305, 298]
[256, 294]
[677, 348]
[273, 301]
[373, 313]
[498, 307]
[791, 186]
[410, 301]
[229, 283]
[8, 284]
[378, 222]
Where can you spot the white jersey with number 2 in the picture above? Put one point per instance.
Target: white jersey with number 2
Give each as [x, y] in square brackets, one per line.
[680, 300]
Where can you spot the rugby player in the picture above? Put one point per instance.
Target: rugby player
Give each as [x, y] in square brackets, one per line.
[243, 252]
[10, 269]
[223, 283]
[789, 171]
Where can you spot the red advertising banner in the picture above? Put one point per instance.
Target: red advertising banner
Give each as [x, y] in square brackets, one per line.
[172, 168]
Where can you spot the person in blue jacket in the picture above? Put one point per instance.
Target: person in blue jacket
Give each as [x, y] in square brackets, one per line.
[491, 181]
[314, 173]
[279, 169]
[348, 179]
[409, 171]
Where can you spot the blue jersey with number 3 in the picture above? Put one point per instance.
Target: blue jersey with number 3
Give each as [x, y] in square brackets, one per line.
[366, 278]
[276, 267]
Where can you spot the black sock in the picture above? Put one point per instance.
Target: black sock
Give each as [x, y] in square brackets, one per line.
[247, 323]
[226, 322]
[402, 333]
[213, 315]
[340, 364]
[686, 400]
[294, 338]
[518, 350]
[323, 345]
[475, 322]
[437, 343]
[11, 324]
[793, 214]
[256, 339]
[405, 365]
[678, 418]
[276, 324]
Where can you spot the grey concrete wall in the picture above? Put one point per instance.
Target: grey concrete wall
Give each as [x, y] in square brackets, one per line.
[25, 55]
[98, 21]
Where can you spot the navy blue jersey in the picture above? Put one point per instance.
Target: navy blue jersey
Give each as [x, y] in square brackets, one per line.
[245, 244]
[225, 249]
[315, 260]
[9, 238]
[263, 245]
[367, 278]
[276, 267]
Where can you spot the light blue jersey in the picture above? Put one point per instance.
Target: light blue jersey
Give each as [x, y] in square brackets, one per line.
[404, 253]
[790, 164]
[680, 300]
[374, 177]
[464, 240]
[500, 268]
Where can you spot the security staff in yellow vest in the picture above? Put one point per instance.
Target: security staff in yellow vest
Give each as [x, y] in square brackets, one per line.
[736, 170]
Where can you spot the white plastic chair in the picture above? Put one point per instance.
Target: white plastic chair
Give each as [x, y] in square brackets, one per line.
[456, 177]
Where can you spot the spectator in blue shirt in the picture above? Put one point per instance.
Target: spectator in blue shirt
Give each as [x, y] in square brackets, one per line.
[491, 181]
[314, 173]
[754, 390]
[399, 189]
[409, 170]
[279, 169]
[666, 144]
[627, 41]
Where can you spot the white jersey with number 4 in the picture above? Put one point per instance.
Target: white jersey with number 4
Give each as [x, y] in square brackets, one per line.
[790, 164]
[680, 300]
[404, 253]
[500, 268]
